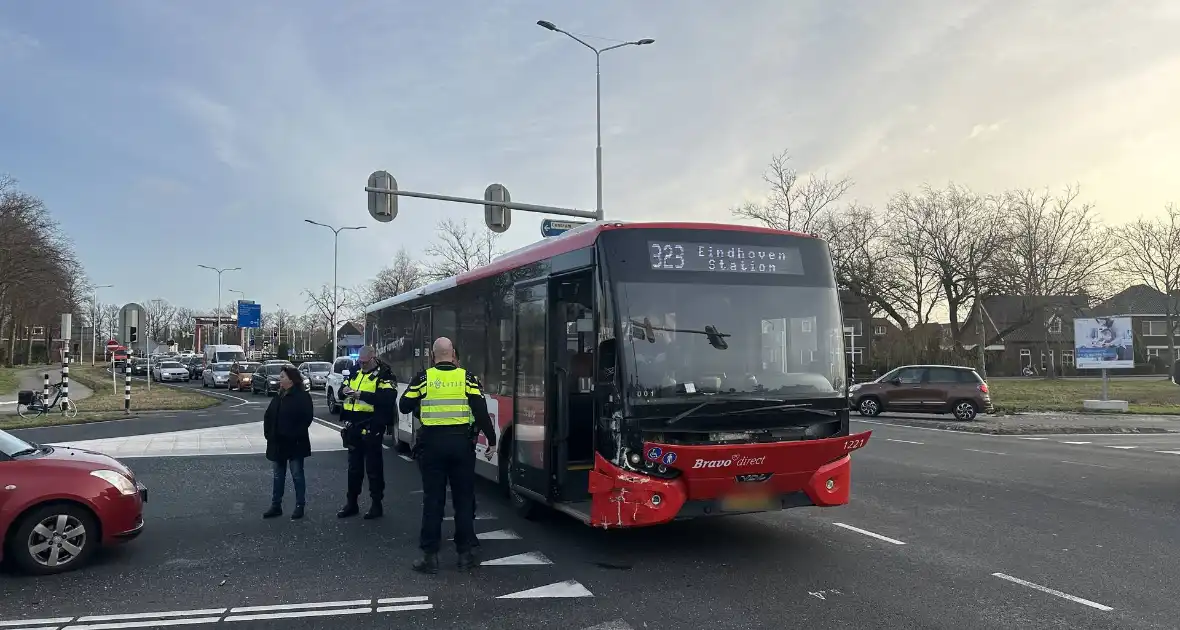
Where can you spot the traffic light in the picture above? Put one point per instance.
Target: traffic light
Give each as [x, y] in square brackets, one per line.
[132, 334]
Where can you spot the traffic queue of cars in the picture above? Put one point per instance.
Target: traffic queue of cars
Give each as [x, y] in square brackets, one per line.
[262, 378]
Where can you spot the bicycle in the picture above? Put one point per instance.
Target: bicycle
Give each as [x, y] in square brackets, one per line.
[37, 405]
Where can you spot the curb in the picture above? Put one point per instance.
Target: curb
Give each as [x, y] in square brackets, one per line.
[1045, 429]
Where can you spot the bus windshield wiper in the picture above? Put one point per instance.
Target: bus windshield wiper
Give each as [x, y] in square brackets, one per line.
[791, 406]
[717, 399]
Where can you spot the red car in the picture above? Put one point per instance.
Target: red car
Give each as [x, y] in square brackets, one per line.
[58, 505]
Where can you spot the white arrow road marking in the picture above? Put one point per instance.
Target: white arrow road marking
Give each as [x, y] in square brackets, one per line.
[499, 534]
[569, 588]
[520, 559]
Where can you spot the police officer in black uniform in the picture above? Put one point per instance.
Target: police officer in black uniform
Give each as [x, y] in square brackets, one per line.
[369, 399]
[446, 398]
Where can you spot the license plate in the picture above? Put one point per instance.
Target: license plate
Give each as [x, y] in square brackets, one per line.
[746, 504]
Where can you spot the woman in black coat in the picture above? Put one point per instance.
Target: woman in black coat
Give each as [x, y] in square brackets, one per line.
[285, 426]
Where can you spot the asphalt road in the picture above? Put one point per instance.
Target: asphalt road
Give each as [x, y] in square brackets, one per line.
[945, 530]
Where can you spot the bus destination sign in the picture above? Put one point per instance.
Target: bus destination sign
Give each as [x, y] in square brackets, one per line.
[672, 256]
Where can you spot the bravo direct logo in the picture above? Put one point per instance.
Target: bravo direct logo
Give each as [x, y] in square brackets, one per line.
[736, 460]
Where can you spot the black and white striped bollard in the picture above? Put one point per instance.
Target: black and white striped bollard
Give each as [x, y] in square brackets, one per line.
[45, 390]
[65, 377]
[127, 385]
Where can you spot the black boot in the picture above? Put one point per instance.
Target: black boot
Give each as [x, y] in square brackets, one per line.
[349, 509]
[427, 564]
[467, 561]
[375, 511]
[298, 513]
[275, 510]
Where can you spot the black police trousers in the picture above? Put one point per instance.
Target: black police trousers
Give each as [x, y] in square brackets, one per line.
[447, 456]
[364, 455]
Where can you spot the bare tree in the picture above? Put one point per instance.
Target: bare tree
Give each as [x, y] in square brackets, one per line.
[1057, 249]
[862, 260]
[1148, 252]
[324, 307]
[957, 234]
[794, 203]
[401, 275]
[186, 324]
[161, 317]
[459, 249]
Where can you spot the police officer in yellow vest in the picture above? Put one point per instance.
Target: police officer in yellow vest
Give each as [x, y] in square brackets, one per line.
[447, 398]
[369, 398]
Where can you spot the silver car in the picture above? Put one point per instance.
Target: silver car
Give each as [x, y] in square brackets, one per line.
[216, 375]
[315, 373]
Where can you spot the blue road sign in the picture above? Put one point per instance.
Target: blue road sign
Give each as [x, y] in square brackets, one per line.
[554, 227]
[249, 315]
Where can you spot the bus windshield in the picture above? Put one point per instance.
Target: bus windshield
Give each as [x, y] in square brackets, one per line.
[684, 339]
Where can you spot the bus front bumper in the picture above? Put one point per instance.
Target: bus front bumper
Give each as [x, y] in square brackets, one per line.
[729, 479]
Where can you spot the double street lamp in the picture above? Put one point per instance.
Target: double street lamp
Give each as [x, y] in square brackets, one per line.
[598, 96]
[219, 272]
[335, 260]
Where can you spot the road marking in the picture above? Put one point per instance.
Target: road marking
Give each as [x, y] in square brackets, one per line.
[478, 517]
[274, 607]
[1045, 589]
[1032, 438]
[1072, 442]
[1169, 452]
[499, 534]
[976, 450]
[531, 558]
[870, 534]
[902, 441]
[1124, 448]
[35, 622]
[611, 625]
[404, 600]
[156, 615]
[1084, 464]
[299, 614]
[569, 588]
[147, 623]
[403, 607]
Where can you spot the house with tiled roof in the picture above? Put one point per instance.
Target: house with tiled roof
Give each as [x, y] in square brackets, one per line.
[1150, 311]
[1026, 331]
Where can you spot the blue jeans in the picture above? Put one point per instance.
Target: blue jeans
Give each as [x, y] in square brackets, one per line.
[280, 481]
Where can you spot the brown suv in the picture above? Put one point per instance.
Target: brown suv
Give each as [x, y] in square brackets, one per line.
[950, 389]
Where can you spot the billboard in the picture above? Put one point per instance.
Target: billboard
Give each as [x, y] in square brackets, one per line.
[1103, 343]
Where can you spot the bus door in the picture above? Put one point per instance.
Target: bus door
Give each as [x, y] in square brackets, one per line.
[572, 343]
[531, 463]
[422, 340]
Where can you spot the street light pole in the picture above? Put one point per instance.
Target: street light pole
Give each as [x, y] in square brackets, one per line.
[94, 320]
[598, 99]
[219, 272]
[335, 261]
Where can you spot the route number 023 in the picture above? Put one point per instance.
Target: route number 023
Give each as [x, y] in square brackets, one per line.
[852, 445]
[667, 256]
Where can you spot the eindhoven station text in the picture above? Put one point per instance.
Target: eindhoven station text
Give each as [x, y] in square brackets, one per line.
[740, 259]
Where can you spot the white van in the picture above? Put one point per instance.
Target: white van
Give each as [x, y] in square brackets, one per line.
[220, 353]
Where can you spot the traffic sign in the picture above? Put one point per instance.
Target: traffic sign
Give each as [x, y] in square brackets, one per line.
[553, 227]
[249, 315]
[497, 219]
[112, 344]
[382, 206]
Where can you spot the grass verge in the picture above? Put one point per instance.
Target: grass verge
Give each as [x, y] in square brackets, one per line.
[106, 403]
[9, 379]
[1145, 396]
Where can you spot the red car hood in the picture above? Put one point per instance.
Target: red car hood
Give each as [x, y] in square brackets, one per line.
[84, 459]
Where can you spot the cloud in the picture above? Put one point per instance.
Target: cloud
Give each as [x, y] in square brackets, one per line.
[979, 131]
[217, 121]
[15, 46]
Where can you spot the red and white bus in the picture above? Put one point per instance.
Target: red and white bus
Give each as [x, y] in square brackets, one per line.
[639, 373]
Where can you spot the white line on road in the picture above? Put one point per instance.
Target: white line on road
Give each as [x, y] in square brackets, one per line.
[404, 600]
[403, 607]
[902, 441]
[1084, 464]
[976, 450]
[146, 623]
[868, 533]
[1032, 438]
[274, 607]
[34, 622]
[155, 615]
[1123, 448]
[1045, 589]
[297, 614]
[1074, 442]
[1169, 452]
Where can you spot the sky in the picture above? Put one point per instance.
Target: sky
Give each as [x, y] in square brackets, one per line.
[163, 136]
